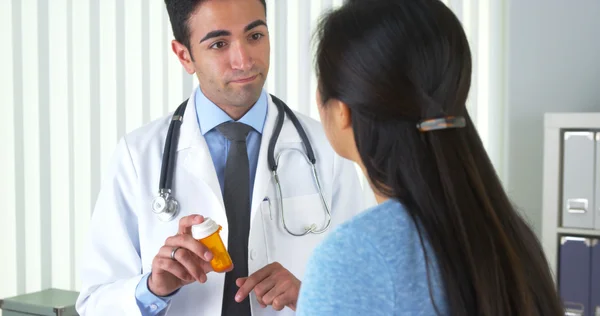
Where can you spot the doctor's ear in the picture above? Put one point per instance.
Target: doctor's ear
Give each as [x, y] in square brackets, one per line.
[184, 55]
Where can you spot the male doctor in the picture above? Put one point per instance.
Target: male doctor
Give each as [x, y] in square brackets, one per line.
[137, 263]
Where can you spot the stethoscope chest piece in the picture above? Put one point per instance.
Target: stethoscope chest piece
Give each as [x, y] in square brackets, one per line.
[165, 207]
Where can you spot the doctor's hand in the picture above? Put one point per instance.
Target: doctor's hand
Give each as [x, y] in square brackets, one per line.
[190, 263]
[273, 285]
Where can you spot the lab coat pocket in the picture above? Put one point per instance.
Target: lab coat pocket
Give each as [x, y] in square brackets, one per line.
[299, 213]
[304, 212]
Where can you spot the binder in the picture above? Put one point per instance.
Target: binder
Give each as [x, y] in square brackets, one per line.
[574, 274]
[597, 175]
[578, 180]
[595, 279]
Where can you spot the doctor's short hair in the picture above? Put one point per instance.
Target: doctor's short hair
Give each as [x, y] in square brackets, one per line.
[396, 64]
[180, 12]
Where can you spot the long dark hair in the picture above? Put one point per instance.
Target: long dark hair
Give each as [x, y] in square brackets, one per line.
[395, 63]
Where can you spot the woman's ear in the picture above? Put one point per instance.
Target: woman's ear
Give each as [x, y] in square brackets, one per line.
[341, 130]
[342, 115]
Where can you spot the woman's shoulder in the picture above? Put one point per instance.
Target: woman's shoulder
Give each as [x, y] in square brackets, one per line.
[346, 275]
[385, 231]
[388, 221]
[375, 253]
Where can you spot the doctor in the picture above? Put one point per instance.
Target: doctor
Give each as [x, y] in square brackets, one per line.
[225, 143]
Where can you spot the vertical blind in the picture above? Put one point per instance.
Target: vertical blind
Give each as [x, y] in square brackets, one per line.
[79, 74]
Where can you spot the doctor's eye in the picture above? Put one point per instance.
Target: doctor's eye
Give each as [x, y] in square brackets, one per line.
[218, 45]
[256, 36]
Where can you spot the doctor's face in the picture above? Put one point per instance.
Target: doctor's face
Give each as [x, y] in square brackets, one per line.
[229, 43]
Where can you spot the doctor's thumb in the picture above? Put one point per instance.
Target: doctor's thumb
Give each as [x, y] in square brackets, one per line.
[186, 223]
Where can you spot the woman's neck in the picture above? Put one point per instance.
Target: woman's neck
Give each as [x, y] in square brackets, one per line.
[380, 198]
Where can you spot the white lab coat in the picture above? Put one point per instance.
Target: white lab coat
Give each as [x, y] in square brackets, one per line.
[125, 234]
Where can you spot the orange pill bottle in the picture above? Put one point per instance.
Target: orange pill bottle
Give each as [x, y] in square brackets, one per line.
[208, 234]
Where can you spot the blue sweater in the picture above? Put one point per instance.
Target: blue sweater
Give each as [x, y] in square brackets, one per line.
[373, 264]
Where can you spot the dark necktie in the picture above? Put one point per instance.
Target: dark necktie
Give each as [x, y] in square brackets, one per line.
[236, 196]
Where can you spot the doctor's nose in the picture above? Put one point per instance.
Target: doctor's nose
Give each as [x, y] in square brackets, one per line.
[240, 58]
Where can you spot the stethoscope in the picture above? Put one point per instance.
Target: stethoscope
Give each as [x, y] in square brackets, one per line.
[167, 208]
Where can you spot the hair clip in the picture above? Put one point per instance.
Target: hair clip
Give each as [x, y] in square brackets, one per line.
[441, 123]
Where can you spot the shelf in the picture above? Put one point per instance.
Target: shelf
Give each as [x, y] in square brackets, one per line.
[585, 120]
[578, 231]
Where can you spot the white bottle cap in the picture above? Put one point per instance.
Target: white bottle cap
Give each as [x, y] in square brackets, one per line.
[205, 229]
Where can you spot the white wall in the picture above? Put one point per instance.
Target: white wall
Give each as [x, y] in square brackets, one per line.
[65, 105]
[553, 66]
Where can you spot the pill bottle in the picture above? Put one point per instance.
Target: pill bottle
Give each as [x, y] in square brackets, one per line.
[208, 234]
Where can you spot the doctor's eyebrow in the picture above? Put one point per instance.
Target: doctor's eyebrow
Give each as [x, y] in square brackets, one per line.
[213, 34]
[219, 33]
[254, 24]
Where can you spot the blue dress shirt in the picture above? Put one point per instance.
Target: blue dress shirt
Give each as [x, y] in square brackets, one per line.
[209, 117]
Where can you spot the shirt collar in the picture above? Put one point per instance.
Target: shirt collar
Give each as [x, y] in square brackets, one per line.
[211, 116]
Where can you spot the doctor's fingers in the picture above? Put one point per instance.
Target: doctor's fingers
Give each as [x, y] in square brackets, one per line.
[194, 265]
[264, 287]
[163, 265]
[186, 223]
[269, 272]
[281, 295]
[189, 243]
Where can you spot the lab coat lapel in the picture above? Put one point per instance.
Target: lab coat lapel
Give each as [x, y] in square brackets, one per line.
[193, 152]
[263, 174]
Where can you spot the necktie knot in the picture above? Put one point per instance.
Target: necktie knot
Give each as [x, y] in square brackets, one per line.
[234, 131]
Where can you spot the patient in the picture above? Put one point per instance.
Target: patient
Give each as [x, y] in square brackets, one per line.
[444, 238]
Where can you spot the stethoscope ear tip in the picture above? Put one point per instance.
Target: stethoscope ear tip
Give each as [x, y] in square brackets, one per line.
[311, 228]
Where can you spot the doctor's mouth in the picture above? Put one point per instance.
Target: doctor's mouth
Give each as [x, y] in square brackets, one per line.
[246, 79]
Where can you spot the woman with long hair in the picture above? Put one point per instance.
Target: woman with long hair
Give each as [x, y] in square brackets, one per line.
[444, 239]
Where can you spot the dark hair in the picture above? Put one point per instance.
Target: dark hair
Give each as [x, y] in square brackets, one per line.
[395, 63]
[180, 12]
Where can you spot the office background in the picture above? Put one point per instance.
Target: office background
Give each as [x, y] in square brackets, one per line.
[78, 74]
